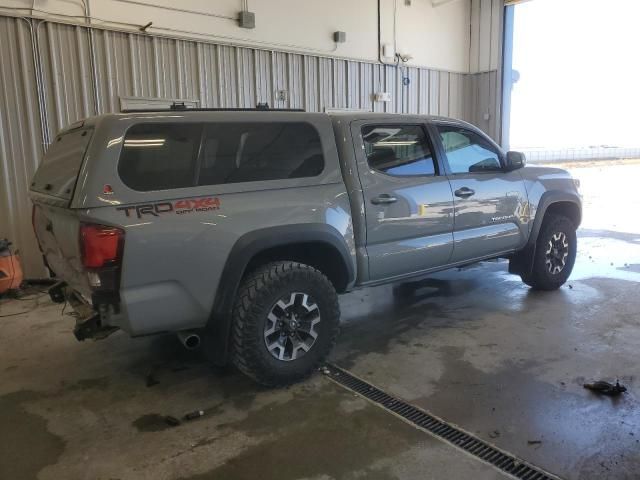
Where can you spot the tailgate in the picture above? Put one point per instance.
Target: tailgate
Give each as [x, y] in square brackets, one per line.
[55, 224]
[58, 232]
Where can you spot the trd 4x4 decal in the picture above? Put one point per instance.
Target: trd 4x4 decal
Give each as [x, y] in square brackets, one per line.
[179, 207]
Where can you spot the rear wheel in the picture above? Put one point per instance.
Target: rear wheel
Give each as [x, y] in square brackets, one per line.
[555, 254]
[285, 322]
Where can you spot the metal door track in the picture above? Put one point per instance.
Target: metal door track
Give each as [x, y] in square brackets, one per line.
[503, 461]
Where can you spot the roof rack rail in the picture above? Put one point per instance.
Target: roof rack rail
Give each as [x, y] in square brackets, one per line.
[181, 107]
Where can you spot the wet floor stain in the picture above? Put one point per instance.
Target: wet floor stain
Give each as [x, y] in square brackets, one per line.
[403, 308]
[100, 383]
[559, 427]
[306, 437]
[26, 446]
[153, 422]
[606, 257]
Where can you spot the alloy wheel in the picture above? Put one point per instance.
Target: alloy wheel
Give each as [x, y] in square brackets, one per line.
[557, 253]
[291, 327]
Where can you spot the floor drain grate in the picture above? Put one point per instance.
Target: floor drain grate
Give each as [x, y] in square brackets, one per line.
[486, 452]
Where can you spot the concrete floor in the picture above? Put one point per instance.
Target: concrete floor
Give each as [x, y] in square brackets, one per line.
[475, 347]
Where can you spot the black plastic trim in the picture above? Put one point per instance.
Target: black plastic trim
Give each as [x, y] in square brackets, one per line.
[549, 198]
[246, 248]
[522, 262]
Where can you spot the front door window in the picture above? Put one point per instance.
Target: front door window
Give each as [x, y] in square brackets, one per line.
[468, 152]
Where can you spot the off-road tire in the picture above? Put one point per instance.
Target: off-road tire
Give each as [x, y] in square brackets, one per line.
[259, 291]
[540, 278]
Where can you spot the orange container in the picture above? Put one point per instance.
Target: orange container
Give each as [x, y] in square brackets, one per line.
[11, 276]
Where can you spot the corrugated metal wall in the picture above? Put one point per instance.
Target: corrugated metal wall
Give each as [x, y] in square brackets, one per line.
[21, 145]
[485, 48]
[485, 65]
[74, 84]
[484, 98]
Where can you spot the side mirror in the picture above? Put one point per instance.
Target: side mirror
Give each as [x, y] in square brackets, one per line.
[515, 160]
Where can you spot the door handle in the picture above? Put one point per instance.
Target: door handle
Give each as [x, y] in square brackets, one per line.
[383, 199]
[464, 192]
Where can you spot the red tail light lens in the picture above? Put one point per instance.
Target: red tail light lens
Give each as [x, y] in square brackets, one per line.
[100, 245]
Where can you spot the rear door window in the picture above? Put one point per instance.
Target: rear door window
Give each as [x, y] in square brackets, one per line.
[160, 156]
[400, 150]
[60, 167]
[250, 152]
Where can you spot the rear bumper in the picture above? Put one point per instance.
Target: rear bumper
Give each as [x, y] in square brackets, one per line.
[89, 322]
[144, 310]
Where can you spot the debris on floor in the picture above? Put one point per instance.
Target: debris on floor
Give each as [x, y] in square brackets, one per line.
[534, 442]
[171, 421]
[494, 434]
[194, 415]
[606, 388]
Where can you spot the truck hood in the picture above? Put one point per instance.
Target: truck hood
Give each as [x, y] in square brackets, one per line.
[532, 172]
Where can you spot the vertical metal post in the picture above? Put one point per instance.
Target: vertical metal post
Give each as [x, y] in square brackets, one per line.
[92, 60]
[507, 74]
[34, 26]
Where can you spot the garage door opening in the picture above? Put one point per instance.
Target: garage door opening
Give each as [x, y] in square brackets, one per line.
[573, 77]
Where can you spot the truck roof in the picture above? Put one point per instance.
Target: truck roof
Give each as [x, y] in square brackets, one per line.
[364, 115]
[205, 113]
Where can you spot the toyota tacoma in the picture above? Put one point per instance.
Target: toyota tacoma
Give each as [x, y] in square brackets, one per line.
[241, 228]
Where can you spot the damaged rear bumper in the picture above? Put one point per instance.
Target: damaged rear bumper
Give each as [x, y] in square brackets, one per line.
[89, 321]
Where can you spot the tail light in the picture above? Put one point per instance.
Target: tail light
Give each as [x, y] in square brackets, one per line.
[101, 248]
[101, 245]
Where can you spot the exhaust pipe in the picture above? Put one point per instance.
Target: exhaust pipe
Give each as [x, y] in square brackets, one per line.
[190, 339]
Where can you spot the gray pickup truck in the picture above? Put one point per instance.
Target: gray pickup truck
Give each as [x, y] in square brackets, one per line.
[240, 228]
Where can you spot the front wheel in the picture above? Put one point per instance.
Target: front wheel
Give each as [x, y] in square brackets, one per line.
[555, 254]
[285, 322]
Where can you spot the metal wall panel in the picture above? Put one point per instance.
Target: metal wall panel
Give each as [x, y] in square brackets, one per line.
[67, 82]
[482, 99]
[21, 138]
[486, 25]
[483, 87]
[85, 71]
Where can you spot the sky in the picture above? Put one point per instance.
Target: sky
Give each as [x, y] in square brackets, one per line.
[579, 64]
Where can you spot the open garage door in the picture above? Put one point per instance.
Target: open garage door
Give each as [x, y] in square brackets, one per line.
[568, 72]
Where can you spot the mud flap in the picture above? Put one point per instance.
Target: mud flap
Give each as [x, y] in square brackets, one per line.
[522, 262]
